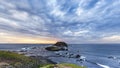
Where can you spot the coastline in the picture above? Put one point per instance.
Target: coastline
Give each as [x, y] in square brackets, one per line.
[38, 61]
[15, 60]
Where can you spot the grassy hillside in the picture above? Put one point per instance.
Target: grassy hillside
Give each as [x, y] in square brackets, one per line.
[65, 65]
[16, 60]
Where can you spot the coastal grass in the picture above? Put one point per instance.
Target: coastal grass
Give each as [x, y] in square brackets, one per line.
[63, 65]
[7, 55]
[17, 60]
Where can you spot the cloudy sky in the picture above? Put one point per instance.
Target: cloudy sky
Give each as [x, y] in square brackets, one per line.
[48, 21]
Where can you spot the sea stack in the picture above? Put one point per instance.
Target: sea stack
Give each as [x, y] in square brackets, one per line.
[58, 46]
[61, 44]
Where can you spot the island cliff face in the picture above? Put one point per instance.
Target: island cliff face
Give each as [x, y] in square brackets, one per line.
[61, 44]
[58, 46]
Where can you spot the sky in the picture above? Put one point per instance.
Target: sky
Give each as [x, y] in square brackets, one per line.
[48, 21]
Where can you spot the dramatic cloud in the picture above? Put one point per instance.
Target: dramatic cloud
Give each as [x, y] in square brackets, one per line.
[73, 21]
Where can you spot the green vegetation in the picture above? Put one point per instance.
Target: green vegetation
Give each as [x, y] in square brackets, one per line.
[47, 66]
[65, 65]
[6, 55]
[17, 61]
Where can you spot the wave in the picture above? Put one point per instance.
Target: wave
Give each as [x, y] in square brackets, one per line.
[101, 65]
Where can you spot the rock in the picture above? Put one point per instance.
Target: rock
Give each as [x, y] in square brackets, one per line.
[5, 65]
[58, 46]
[52, 48]
[77, 56]
[61, 44]
[59, 54]
[71, 55]
[112, 57]
[23, 51]
[34, 48]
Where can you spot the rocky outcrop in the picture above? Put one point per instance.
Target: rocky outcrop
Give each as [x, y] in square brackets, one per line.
[61, 44]
[52, 48]
[57, 47]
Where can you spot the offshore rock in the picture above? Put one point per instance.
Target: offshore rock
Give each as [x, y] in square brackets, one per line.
[58, 46]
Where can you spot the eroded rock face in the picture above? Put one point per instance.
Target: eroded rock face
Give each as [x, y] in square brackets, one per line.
[57, 47]
[52, 48]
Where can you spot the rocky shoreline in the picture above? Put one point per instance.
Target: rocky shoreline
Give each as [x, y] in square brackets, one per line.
[10, 59]
[36, 57]
[39, 60]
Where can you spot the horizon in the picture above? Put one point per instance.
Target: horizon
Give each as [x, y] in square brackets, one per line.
[49, 21]
[54, 43]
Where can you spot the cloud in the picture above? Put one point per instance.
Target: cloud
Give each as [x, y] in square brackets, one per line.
[83, 20]
[113, 38]
[10, 37]
[20, 15]
[76, 34]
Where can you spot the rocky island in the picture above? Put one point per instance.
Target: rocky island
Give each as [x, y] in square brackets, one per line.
[58, 46]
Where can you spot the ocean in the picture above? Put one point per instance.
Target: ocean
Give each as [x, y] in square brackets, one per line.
[96, 55]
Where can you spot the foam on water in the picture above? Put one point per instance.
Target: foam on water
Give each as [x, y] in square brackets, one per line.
[104, 66]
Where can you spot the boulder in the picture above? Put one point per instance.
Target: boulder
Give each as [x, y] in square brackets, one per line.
[77, 56]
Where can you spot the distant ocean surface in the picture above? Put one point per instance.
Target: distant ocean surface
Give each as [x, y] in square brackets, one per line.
[96, 54]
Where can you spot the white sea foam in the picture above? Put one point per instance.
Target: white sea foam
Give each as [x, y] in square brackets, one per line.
[104, 66]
